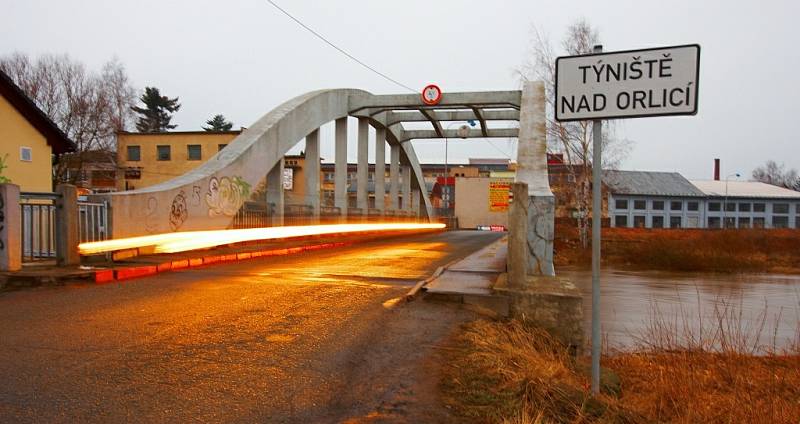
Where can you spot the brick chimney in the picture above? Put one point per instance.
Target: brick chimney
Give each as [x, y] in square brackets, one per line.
[716, 169]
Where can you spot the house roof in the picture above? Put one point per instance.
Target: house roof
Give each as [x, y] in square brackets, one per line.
[56, 139]
[644, 183]
[747, 189]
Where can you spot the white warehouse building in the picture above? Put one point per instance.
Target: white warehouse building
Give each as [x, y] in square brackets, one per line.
[638, 199]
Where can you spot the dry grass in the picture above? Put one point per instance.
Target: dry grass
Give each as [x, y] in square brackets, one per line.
[510, 373]
[688, 250]
[506, 372]
[718, 370]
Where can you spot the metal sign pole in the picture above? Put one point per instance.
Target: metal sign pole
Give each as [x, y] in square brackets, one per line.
[597, 205]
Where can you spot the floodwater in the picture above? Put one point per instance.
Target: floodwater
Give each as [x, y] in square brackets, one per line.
[761, 310]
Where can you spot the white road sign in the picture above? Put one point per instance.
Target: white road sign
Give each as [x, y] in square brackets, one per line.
[628, 84]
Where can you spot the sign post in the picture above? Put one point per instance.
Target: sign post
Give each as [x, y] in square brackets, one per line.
[626, 84]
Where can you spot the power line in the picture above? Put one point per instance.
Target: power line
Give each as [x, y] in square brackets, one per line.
[318, 35]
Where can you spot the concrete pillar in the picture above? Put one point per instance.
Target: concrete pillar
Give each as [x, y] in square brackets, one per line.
[340, 166]
[10, 228]
[275, 192]
[312, 171]
[394, 176]
[380, 169]
[362, 172]
[406, 187]
[67, 237]
[532, 170]
[415, 201]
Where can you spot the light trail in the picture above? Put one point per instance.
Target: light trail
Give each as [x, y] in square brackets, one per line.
[192, 240]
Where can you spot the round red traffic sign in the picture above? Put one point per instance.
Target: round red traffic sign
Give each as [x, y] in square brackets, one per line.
[431, 94]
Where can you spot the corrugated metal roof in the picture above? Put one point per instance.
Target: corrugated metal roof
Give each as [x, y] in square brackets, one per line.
[750, 189]
[643, 183]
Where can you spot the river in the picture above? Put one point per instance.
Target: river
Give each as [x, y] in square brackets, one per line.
[755, 309]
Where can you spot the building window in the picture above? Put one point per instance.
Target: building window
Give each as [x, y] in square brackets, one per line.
[713, 207]
[744, 207]
[25, 154]
[328, 176]
[692, 221]
[797, 219]
[621, 221]
[693, 206]
[758, 222]
[713, 222]
[134, 153]
[780, 208]
[638, 221]
[780, 222]
[193, 152]
[759, 207]
[164, 152]
[640, 205]
[658, 205]
[744, 222]
[675, 222]
[221, 146]
[730, 207]
[658, 222]
[621, 204]
[730, 222]
[676, 206]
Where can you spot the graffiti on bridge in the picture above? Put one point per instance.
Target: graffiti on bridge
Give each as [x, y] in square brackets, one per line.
[226, 195]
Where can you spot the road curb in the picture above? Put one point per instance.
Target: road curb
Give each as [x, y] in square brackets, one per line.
[105, 276]
[414, 292]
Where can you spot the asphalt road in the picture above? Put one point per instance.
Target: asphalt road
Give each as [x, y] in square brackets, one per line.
[315, 337]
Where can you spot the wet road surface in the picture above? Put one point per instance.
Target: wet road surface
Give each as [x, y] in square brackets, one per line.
[315, 337]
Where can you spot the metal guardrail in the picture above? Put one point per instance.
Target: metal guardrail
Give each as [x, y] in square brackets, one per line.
[38, 213]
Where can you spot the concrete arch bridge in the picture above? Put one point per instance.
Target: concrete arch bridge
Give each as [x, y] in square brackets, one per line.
[210, 196]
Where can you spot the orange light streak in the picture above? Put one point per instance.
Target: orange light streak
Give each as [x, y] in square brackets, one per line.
[192, 240]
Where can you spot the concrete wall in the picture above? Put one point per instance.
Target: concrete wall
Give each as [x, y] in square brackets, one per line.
[154, 171]
[16, 132]
[472, 203]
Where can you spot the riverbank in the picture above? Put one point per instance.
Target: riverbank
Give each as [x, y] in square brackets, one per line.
[688, 250]
[505, 372]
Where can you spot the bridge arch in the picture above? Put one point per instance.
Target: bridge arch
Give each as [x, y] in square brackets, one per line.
[209, 196]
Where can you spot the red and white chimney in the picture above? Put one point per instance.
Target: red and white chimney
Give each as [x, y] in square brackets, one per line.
[716, 169]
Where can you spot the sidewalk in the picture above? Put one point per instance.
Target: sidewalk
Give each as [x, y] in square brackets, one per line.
[470, 280]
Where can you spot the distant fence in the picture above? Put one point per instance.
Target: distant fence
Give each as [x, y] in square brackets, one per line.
[260, 214]
[93, 221]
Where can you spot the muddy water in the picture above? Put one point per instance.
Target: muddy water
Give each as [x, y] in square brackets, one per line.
[762, 308]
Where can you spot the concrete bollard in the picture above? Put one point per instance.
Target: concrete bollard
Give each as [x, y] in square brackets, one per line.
[67, 237]
[10, 228]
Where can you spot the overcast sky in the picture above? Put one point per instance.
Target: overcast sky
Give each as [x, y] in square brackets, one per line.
[242, 58]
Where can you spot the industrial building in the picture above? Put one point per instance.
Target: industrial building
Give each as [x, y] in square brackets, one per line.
[668, 200]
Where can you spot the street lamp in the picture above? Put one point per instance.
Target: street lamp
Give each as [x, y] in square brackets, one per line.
[725, 202]
[463, 132]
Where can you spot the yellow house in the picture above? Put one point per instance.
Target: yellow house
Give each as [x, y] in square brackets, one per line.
[146, 159]
[28, 140]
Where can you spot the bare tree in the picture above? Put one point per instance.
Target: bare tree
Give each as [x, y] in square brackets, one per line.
[89, 107]
[777, 175]
[572, 139]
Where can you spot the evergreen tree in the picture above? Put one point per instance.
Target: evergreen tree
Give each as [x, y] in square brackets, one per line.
[157, 113]
[218, 123]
